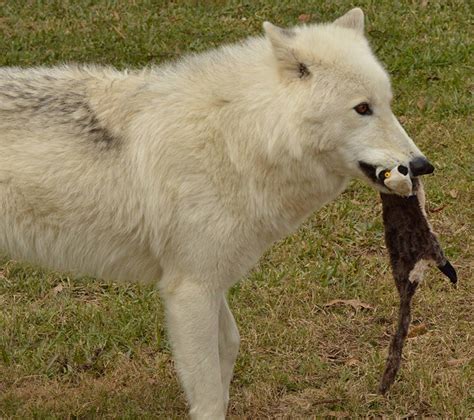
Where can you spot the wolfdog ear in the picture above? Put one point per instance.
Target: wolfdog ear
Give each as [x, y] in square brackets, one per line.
[353, 19]
[288, 63]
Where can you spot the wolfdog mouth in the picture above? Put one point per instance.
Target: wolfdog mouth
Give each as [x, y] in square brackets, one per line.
[368, 170]
[377, 176]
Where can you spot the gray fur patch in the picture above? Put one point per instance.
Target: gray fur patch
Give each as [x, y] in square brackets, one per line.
[45, 99]
[287, 32]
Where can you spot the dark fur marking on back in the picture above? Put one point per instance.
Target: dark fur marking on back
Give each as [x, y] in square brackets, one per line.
[40, 99]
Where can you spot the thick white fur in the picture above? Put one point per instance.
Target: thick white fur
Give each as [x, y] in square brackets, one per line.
[190, 171]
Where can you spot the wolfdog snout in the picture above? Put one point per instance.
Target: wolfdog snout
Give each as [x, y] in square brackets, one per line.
[421, 166]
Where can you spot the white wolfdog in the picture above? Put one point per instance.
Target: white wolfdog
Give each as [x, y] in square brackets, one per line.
[184, 174]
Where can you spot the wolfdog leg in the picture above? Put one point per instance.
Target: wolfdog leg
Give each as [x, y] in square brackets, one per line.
[229, 341]
[192, 314]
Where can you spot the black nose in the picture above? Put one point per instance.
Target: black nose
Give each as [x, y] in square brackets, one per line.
[421, 166]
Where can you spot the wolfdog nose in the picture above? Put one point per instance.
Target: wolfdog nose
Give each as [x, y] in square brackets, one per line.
[421, 166]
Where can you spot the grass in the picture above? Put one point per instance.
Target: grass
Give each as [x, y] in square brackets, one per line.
[84, 348]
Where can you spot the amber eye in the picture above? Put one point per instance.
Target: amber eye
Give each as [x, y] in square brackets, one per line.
[363, 109]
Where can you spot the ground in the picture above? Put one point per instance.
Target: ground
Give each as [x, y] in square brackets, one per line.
[85, 348]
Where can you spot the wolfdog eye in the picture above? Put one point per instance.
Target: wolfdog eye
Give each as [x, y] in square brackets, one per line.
[363, 109]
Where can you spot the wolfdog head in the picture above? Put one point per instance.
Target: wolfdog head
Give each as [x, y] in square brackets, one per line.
[342, 104]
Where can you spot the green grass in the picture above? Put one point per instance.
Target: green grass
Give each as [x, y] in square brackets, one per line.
[84, 348]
